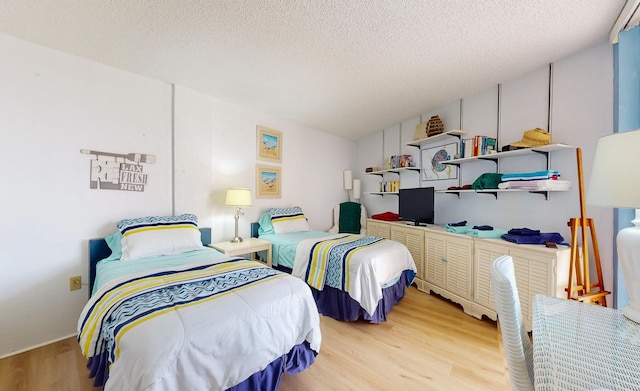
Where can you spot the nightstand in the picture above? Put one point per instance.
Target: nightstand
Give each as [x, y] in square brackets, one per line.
[247, 246]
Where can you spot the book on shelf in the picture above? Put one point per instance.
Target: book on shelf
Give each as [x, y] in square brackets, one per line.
[477, 146]
[389, 186]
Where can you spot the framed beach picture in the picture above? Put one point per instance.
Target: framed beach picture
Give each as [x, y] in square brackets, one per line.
[268, 181]
[269, 144]
[432, 167]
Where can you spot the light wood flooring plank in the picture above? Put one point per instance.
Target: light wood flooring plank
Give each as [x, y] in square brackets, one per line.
[428, 343]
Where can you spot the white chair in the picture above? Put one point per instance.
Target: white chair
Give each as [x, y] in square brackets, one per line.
[517, 345]
[336, 219]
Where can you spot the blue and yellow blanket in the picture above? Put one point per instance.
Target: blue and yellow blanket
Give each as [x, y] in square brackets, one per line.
[205, 325]
[359, 265]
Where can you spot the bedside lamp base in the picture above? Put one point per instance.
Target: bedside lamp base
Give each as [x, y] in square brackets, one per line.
[236, 238]
[629, 258]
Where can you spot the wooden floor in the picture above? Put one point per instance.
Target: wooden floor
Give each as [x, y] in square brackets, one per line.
[428, 343]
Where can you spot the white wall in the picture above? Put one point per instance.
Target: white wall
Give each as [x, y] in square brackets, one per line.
[221, 153]
[52, 105]
[582, 112]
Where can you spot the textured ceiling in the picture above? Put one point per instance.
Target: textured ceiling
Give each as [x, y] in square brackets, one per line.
[347, 67]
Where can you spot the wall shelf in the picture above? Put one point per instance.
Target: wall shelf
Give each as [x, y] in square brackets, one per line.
[518, 152]
[429, 140]
[383, 193]
[495, 192]
[394, 170]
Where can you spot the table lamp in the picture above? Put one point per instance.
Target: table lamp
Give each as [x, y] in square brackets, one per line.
[615, 182]
[356, 190]
[238, 198]
[347, 178]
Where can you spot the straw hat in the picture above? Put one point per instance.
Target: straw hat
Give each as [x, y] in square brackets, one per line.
[533, 138]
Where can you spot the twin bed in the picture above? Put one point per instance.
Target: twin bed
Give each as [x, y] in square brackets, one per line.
[193, 318]
[351, 276]
[167, 313]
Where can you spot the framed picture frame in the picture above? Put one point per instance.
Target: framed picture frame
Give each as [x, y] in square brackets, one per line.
[269, 144]
[433, 169]
[268, 181]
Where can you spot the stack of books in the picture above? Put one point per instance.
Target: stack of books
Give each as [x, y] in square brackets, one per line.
[478, 146]
[390, 186]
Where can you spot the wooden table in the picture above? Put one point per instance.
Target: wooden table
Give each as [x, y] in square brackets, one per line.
[247, 246]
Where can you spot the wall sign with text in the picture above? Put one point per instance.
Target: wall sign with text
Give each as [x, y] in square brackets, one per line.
[115, 171]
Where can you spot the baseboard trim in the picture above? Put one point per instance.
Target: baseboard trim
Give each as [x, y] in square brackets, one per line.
[36, 346]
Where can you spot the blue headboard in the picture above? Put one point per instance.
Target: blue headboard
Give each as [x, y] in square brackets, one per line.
[99, 250]
[254, 229]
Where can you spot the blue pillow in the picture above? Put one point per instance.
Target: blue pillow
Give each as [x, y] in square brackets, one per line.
[114, 243]
[266, 228]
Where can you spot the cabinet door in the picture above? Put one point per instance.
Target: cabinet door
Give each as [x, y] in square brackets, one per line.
[378, 229]
[534, 275]
[485, 254]
[459, 271]
[398, 234]
[435, 259]
[415, 243]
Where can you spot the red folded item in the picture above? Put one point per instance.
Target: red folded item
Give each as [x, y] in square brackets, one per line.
[386, 216]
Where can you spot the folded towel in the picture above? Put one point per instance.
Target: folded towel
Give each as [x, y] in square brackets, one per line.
[524, 231]
[493, 234]
[540, 185]
[460, 224]
[457, 229]
[519, 176]
[349, 218]
[534, 239]
[488, 180]
[483, 227]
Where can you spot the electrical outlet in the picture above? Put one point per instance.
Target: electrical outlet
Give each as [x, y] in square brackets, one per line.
[75, 283]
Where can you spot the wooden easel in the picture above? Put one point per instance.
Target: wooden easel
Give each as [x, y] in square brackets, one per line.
[579, 277]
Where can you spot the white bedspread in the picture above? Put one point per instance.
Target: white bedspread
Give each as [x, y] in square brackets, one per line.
[369, 268]
[209, 344]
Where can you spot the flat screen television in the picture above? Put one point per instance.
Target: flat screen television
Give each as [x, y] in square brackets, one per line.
[416, 205]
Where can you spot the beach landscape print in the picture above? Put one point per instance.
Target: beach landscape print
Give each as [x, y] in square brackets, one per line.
[268, 181]
[269, 144]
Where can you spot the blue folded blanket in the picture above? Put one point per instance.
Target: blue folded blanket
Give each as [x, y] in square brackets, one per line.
[460, 224]
[483, 227]
[534, 239]
[524, 231]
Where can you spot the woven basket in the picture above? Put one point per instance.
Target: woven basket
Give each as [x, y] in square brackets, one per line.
[434, 126]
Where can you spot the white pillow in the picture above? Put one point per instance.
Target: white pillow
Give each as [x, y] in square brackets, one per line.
[288, 220]
[158, 235]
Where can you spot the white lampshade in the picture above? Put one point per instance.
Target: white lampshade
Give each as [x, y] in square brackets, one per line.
[356, 189]
[616, 183]
[348, 180]
[238, 197]
[614, 179]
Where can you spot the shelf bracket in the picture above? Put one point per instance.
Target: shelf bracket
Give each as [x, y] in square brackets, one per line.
[544, 153]
[488, 159]
[543, 192]
[494, 193]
